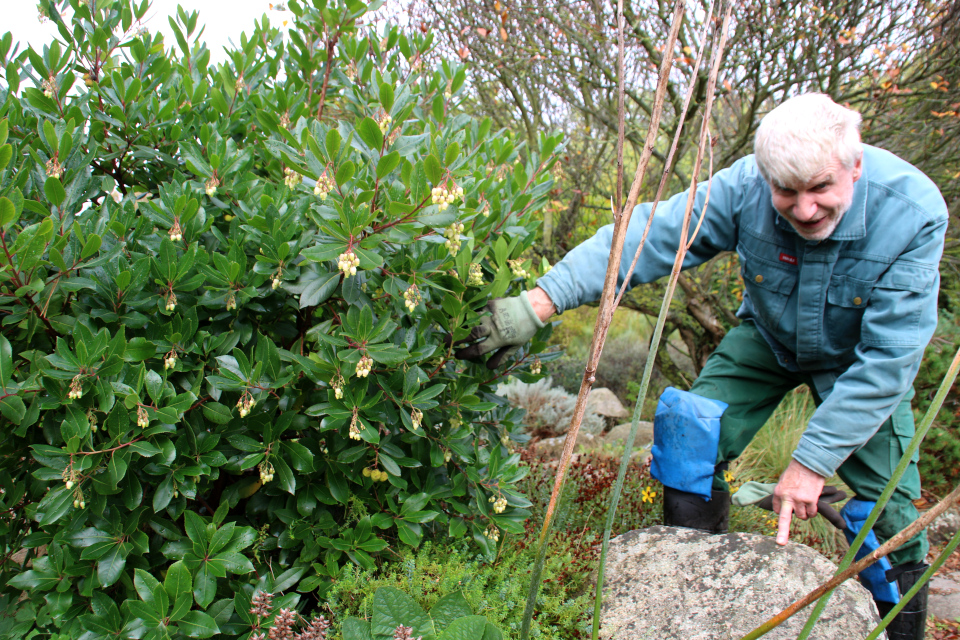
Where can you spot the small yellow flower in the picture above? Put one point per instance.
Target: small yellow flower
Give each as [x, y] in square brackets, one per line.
[648, 495]
[729, 477]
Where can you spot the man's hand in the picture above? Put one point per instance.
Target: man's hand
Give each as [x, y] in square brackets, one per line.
[797, 493]
[511, 324]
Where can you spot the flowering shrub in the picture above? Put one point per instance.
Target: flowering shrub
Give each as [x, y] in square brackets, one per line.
[225, 294]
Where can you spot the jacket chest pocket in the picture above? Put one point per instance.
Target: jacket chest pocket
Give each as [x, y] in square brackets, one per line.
[846, 300]
[769, 288]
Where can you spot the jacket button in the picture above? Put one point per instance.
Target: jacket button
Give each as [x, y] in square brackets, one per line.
[857, 300]
[759, 278]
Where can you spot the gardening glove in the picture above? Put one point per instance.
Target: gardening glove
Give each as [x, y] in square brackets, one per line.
[511, 324]
[761, 495]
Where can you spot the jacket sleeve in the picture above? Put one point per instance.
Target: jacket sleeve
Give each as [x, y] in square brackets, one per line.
[897, 325]
[578, 278]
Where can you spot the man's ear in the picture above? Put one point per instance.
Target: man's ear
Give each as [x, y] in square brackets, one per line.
[858, 168]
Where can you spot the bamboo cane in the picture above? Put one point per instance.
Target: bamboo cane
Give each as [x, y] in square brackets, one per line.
[605, 315]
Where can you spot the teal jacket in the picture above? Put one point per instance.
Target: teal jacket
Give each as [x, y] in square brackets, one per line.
[854, 311]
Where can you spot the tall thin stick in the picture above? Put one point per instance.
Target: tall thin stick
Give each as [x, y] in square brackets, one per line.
[621, 221]
[682, 248]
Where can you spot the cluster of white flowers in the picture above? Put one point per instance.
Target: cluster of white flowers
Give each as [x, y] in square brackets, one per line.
[364, 366]
[536, 367]
[324, 186]
[517, 267]
[375, 474]
[291, 178]
[492, 533]
[143, 420]
[448, 92]
[245, 404]
[170, 360]
[385, 121]
[231, 301]
[54, 168]
[337, 383]
[49, 86]
[76, 391]
[486, 210]
[211, 186]
[176, 233]
[475, 277]
[447, 455]
[78, 503]
[416, 417]
[277, 279]
[499, 503]
[355, 426]
[452, 234]
[241, 84]
[412, 297]
[92, 419]
[266, 472]
[443, 197]
[348, 263]
[171, 303]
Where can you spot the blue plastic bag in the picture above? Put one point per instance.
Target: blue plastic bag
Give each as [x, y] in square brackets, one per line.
[686, 435]
[874, 577]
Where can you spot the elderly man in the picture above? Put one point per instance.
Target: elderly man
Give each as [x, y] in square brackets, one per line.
[839, 246]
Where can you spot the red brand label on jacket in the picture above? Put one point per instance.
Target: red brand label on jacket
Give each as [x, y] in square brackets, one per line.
[785, 257]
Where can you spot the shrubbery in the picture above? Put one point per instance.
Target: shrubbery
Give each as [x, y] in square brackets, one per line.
[547, 409]
[218, 377]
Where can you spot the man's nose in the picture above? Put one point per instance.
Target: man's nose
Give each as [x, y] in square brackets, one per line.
[806, 207]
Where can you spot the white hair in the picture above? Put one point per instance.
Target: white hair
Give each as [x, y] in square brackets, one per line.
[796, 140]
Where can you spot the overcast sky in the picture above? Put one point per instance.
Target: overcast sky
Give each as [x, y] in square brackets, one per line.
[224, 20]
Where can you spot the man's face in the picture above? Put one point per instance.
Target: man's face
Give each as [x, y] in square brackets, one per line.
[815, 208]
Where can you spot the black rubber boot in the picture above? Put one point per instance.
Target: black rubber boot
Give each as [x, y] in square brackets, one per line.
[682, 509]
[911, 622]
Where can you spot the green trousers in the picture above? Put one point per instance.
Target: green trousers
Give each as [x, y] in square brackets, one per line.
[744, 373]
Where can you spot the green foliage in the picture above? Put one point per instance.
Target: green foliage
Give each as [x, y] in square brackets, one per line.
[940, 453]
[494, 589]
[216, 376]
[396, 614]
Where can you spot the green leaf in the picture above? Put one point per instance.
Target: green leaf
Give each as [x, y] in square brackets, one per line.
[490, 632]
[154, 385]
[204, 585]
[111, 565]
[216, 412]
[54, 191]
[198, 624]
[146, 586]
[6, 363]
[91, 246]
[13, 409]
[369, 132]
[345, 172]
[6, 152]
[449, 608]
[452, 153]
[466, 628]
[357, 629]
[387, 164]
[300, 457]
[8, 211]
[319, 289]
[392, 607]
[431, 165]
[332, 143]
[139, 349]
[386, 96]
[178, 581]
